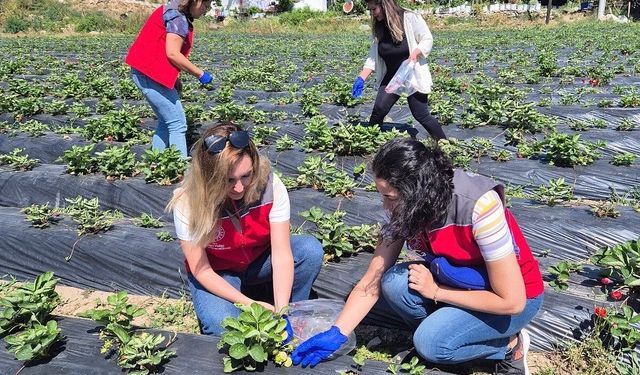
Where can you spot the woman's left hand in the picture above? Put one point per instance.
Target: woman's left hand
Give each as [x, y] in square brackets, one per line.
[414, 54]
[421, 280]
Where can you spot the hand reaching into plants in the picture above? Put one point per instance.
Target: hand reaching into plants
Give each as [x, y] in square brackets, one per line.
[206, 78]
[358, 87]
[318, 347]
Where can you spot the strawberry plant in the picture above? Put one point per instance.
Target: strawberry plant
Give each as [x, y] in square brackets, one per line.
[337, 238]
[412, 367]
[284, 143]
[34, 342]
[116, 162]
[557, 191]
[252, 338]
[41, 216]
[33, 127]
[117, 316]
[311, 100]
[121, 125]
[626, 125]
[625, 158]
[502, 155]
[79, 159]
[17, 161]
[164, 236]
[140, 354]
[261, 133]
[321, 175]
[87, 214]
[148, 221]
[605, 209]
[163, 167]
[104, 105]
[565, 150]
[620, 263]
[630, 99]
[561, 273]
[28, 303]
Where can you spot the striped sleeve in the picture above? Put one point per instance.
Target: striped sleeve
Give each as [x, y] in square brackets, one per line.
[490, 228]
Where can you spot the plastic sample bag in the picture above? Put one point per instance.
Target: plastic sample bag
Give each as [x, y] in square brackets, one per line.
[313, 316]
[404, 81]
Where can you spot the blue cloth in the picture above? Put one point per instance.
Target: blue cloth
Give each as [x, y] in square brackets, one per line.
[211, 309]
[446, 334]
[172, 122]
[318, 347]
[174, 21]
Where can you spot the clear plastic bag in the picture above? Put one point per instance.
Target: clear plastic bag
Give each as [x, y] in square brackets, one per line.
[404, 81]
[313, 316]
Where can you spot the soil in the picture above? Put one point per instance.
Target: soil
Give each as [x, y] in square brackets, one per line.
[115, 8]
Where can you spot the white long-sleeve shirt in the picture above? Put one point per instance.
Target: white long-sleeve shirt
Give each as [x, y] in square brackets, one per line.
[418, 36]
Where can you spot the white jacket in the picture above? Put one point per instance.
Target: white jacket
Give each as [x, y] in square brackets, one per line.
[418, 35]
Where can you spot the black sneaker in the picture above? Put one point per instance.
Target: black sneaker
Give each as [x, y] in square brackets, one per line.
[515, 362]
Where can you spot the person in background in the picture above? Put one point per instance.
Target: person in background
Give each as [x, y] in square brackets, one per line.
[398, 35]
[231, 214]
[157, 56]
[461, 217]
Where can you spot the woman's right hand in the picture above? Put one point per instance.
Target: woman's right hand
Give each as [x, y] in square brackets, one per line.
[358, 87]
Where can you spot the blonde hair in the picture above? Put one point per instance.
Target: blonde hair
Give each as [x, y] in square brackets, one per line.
[205, 186]
[392, 20]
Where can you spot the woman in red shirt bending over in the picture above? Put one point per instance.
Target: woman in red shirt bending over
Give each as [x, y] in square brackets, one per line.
[157, 56]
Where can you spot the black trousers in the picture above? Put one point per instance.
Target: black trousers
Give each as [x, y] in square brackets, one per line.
[419, 106]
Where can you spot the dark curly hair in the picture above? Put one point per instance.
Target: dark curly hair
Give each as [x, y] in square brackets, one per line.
[423, 176]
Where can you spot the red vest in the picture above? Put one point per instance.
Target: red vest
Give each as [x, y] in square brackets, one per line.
[148, 53]
[234, 250]
[454, 239]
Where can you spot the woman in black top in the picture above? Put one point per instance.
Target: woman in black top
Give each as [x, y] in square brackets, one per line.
[399, 35]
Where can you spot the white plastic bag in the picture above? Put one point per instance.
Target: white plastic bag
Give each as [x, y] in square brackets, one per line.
[313, 316]
[404, 81]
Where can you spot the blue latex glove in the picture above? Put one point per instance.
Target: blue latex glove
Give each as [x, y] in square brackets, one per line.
[289, 330]
[206, 78]
[318, 347]
[358, 87]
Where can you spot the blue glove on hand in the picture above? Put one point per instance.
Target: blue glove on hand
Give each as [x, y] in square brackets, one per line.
[318, 347]
[357, 88]
[289, 330]
[206, 78]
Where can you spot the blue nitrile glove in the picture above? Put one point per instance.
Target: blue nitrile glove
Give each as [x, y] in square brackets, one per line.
[357, 88]
[206, 78]
[289, 330]
[318, 347]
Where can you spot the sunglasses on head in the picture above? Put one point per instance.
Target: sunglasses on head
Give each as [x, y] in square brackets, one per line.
[216, 143]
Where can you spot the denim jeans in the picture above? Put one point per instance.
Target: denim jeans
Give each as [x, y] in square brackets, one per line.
[446, 334]
[211, 309]
[172, 122]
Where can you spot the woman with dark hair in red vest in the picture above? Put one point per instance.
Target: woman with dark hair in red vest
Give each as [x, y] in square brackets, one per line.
[157, 56]
[476, 284]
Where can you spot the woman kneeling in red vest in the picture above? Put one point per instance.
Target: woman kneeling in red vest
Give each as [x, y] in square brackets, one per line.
[231, 215]
[457, 221]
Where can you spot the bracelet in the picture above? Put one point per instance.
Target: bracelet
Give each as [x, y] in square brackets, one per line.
[435, 295]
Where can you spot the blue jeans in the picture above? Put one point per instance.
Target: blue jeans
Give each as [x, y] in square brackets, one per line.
[172, 122]
[446, 334]
[211, 309]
